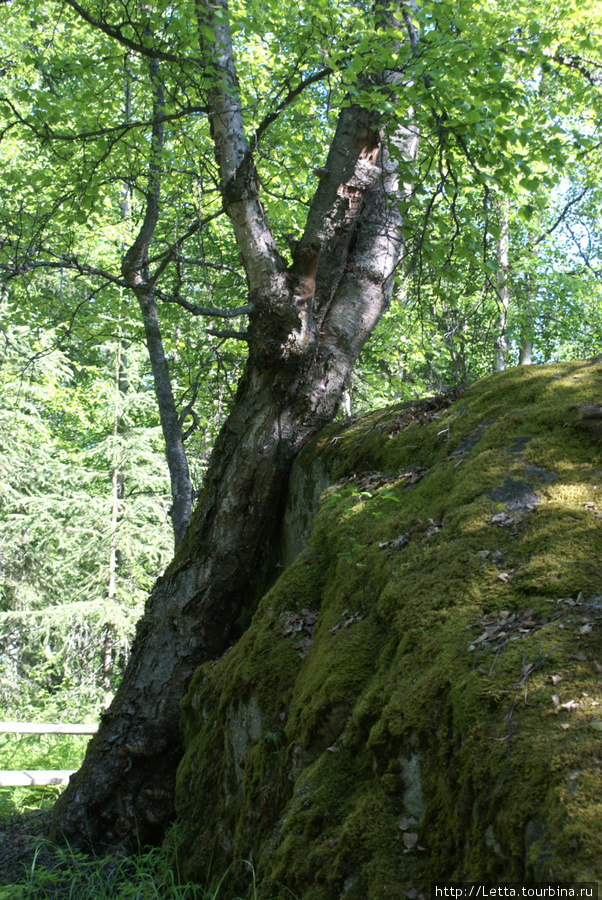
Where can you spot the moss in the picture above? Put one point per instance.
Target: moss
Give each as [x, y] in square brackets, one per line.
[363, 693]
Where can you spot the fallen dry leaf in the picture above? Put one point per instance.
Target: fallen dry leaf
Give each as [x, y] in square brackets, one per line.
[597, 667]
[580, 657]
[485, 636]
[414, 475]
[555, 701]
[498, 518]
[571, 704]
[303, 646]
[507, 626]
[434, 528]
[398, 542]
[347, 620]
[565, 726]
[554, 679]
[410, 839]
[293, 623]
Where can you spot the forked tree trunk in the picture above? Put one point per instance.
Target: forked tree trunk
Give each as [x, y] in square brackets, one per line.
[308, 325]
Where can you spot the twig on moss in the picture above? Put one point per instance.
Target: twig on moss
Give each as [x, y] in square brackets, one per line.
[526, 672]
[496, 655]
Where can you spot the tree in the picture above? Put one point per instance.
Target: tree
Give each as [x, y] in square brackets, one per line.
[364, 77]
[307, 324]
[59, 591]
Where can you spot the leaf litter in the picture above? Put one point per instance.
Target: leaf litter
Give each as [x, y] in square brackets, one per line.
[295, 623]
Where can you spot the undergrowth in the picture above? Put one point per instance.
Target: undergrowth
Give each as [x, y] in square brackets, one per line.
[48, 872]
[56, 873]
[28, 752]
[39, 870]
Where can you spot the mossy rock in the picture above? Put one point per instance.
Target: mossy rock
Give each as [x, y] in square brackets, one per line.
[418, 698]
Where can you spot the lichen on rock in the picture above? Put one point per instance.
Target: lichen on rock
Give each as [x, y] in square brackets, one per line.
[406, 711]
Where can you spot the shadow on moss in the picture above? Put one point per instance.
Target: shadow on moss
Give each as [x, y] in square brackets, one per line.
[397, 738]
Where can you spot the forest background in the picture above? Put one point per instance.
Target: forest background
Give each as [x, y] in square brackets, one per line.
[502, 266]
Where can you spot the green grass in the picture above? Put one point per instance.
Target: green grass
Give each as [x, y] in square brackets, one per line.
[71, 875]
[58, 873]
[36, 751]
[78, 876]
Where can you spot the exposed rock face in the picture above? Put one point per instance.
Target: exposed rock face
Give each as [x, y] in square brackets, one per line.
[419, 696]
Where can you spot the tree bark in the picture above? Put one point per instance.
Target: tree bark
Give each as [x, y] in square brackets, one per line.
[307, 326]
[500, 351]
[136, 272]
[526, 352]
[117, 495]
[527, 321]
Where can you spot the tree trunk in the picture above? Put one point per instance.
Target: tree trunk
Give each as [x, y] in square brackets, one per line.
[117, 494]
[136, 272]
[527, 321]
[182, 492]
[307, 326]
[526, 352]
[500, 352]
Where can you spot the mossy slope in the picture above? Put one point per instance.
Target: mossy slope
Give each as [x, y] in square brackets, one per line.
[365, 736]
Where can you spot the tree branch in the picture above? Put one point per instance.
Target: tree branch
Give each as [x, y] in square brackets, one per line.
[209, 311]
[356, 162]
[239, 184]
[115, 33]
[189, 411]
[48, 135]
[218, 267]
[292, 95]
[560, 218]
[578, 64]
[63, 262]
[174, 251]
[583, 255]
[235, 335]
[136, 258]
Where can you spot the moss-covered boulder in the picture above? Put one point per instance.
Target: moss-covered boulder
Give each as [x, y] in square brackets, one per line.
[418, 697]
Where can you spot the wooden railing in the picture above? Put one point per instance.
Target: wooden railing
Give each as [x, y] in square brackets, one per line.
[40, 776]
